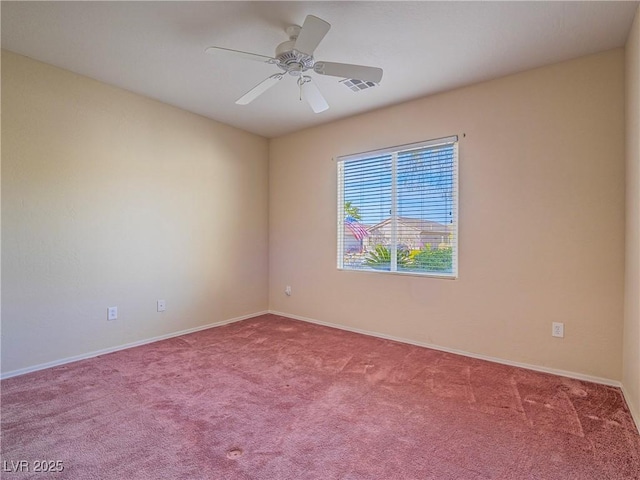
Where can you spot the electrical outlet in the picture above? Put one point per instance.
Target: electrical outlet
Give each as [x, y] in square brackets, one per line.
[112, 313]
[557, 329]
[287, 290]
[162, 306]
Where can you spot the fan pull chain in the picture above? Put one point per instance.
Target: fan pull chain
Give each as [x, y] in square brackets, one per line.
[302, 79]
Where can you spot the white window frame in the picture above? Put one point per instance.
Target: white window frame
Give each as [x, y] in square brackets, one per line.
[394, 151]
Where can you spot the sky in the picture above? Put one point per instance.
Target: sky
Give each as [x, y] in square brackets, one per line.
[426, 178]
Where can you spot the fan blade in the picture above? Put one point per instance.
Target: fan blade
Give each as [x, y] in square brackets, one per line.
[239, 54]
[314, 98]
[313, 31]
[347, 70]
[259, 89]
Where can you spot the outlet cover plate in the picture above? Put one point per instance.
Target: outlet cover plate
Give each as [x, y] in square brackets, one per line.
[557, 329]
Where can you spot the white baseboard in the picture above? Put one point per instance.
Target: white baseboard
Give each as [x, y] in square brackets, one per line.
[634, 413]
[62, 361]
[537, 368]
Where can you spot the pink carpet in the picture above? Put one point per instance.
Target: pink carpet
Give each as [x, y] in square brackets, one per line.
[274, 398]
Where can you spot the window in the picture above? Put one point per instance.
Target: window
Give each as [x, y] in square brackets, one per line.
[397, 209]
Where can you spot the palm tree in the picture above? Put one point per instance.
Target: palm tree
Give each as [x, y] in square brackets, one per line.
[352, 211]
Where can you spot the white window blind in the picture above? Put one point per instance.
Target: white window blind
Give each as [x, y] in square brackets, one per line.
[398, 209]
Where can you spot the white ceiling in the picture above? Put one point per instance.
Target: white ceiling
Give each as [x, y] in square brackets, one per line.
[157, 48]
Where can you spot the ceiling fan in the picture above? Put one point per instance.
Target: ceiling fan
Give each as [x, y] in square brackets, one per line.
[295, 57]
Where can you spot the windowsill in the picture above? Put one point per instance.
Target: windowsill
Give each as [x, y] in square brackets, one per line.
[410, 274]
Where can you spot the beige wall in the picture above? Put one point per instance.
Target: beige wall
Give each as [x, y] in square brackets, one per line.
[541, 220]
[109, 198]
[631, 349]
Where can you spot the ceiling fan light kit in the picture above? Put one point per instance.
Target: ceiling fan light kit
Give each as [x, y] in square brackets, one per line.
[295, 57]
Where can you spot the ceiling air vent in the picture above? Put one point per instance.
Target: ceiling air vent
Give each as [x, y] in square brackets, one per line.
[357, 85]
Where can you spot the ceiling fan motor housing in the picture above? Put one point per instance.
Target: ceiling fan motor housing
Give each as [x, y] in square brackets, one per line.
[291, 60]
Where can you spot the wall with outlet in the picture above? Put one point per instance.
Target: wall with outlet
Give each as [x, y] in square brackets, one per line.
[541, 220]
[110, 199]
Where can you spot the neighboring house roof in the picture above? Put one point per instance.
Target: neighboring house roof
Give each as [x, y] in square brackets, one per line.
[416, 224]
